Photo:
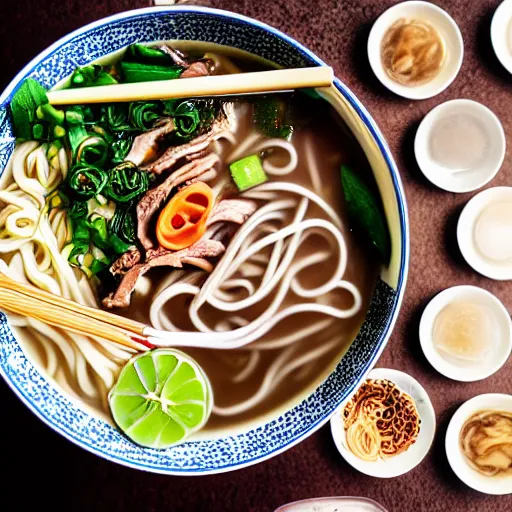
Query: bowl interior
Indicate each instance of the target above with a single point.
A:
(255, 443)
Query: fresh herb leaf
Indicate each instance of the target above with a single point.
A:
(27, 99)
(365, 212)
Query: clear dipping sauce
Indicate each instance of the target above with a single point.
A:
(464, 333)
(459, 142)
(493, 232)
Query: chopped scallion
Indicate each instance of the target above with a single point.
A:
(248, 172)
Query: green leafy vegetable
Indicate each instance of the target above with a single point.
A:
(248, 172)
(123, 224)
(120, 148)
(126, 182)
(147, 55)
(191, 117)
(365, 212)
(143, 115)
(91, 76)
(93, 151)
(33, 117)
(86, 181)
(138, 72)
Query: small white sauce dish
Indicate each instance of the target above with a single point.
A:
(501, 34)
(460, 145)
(456, 458)
(502, 339)
(497, 236)
(404, 462)
(447, 29)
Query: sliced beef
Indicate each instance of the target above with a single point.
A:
(145, 146)
(126, 261)
(153, 200)
(198, 68)
(179, 58)
(162, 258)
(232, 210)
(224, 122)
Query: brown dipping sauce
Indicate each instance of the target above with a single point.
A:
(412, 52)
(486, 441)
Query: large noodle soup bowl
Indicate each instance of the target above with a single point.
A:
(250, 443)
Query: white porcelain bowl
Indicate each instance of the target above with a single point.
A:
(501, 34)
(404, 462)
(483, 170)
(499, 270)
(456, 458)
(478, 370)
(446, 27)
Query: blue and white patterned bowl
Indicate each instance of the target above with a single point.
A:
(254, 445)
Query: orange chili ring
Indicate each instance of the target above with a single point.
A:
(183, 220)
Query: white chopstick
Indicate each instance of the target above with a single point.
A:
(219, 85)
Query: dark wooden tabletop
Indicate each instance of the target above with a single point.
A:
(41, 470)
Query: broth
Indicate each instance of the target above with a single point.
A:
(237, 375)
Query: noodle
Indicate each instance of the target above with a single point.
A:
(380, 421)
(81, 365)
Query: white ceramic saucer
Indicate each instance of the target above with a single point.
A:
(483, 170)
(456, 458)
(503, 334)
(501, 34)
(499, 270)
(446, 27)
(404, 462)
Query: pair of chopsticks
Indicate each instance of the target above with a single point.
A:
(26, 300)
(29, 301)
(259, 82)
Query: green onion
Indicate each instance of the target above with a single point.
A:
(91, 76)
(126, 182)
(117, 245)
(59, 132)
(99, 232)
(93, 151)
(123, 224)
(143, 115)
(39, 131)
(137, 72)
(115, 117)
(120, 148)
(87, 181)
(50, 113)
(248, 172)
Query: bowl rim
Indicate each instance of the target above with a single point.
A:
(385, 152)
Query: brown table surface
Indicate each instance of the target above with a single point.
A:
(40, 468)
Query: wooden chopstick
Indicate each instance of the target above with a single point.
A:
(97, 314)
(57, 316)
(218, 85)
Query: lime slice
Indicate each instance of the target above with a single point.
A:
(160, 398)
